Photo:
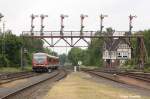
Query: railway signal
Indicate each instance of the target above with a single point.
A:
(1, 16)
(82, 16)
(3, 42)
(130, 23)
(42, 16)
(101, 22)
(62, 16)
(32, 26)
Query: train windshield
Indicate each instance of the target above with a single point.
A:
(39, 58)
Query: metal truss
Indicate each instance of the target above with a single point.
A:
(71, 35)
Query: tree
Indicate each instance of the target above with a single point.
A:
(47, 50)
(10, 45)
(135, 47)
(92, 56)
(74, 55)
(62, 58)
(146, 34)
(95, 50)
(33, 45)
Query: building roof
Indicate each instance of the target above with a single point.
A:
(112, 44)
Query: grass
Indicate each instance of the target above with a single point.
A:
(89, 67)
(14, 69)
(147, 69)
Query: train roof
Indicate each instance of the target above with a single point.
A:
(40, 53)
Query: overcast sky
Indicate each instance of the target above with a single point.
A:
(17, 14)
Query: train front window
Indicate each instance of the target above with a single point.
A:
(39, 58)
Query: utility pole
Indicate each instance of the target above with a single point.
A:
(101, 22)
(1, 16)
(101, 29)
(62, 16)
(4, 26)
(23, 52)
(82, 26)
(62, 23)
(32, 25)
(42, 16)
(3, 45)
(130, 31)
(130, 23)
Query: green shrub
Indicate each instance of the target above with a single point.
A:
(4, 61)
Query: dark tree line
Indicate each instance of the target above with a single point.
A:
(10, 48)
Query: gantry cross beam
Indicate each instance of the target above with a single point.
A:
(69, 36)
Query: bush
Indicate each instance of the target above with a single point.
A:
(4, 61)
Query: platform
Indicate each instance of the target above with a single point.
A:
(79, 85)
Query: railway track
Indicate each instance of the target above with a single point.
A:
(54, 76)
(101, 74)
(130, 78)
(139, 76)
(132, 74)
(6, 78)
(136, 75)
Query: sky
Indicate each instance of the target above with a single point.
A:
(17, 14)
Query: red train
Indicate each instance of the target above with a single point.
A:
(42, 62)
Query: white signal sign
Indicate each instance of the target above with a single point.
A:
(79, 62)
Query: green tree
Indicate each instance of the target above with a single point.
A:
(146, 34)
(75, 55)
(10, 45)
(63, 58)
(47, 50)
(33, 44)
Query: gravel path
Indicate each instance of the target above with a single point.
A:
(83, 86)
(130, 88)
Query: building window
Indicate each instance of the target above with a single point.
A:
(118, 54)
(125, 54)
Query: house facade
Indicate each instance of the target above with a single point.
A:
(116, 53)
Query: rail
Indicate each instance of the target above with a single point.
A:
(59, 74)
(8, 77)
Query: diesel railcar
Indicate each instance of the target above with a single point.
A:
(43, 62)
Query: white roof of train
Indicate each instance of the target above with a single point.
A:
(46, 54)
